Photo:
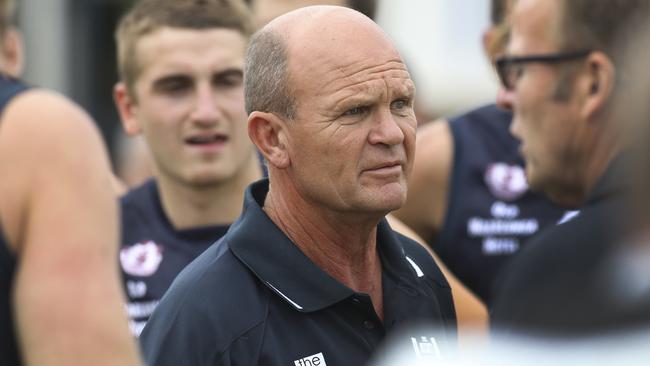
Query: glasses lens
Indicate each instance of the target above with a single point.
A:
(503, 70)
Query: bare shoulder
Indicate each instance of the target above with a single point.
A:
(42, 132)
(434, 149)
(47, 144)
(426, 203)
(43, 115)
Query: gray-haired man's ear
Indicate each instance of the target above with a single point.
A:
(598, 83)
(268, 133)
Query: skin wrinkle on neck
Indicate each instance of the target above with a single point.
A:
(352, 262)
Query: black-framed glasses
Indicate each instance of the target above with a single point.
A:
(509, 67)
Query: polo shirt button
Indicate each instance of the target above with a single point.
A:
(369, 324)
(356, 301)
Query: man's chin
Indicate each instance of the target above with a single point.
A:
(532, 178)
(391, 201)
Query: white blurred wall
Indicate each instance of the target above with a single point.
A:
(441, 41)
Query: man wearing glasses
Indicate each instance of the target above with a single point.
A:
(560, 76)
(468, 196)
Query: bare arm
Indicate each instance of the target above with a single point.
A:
(61, 218)
(426, 203)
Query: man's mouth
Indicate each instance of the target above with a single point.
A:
(394, 167)
(206, 139)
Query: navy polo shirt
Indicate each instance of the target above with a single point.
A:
(254, 298)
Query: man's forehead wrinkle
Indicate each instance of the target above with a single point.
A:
(394, 84)
(340, 78)
(362, 69)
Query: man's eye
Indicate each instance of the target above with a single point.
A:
(399, 104)
(229, 79)
(354, 111)
(518, 71)
(173, 85)
(514, 72)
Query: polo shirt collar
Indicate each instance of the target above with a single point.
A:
(278, 263)
(614, 181)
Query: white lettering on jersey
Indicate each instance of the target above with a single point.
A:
(136, 289)
(480, 227)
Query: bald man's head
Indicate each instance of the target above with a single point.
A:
(301, 45)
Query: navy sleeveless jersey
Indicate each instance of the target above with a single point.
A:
(153, 252)
(8, 348)
(490, 211)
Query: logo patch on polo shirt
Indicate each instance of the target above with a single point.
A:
(313, 360)
(141, 259)
(426, 347)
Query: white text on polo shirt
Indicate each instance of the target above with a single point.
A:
(426, 347)
(313, 360)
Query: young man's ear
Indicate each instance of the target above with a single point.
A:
(12, 57)
(127, 109)
(268, 133)
(598, 83)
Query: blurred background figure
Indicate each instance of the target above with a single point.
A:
(620, 318)
(468, 196)
(132, 159)
(60, 299)
(181, 89)
(576, 143)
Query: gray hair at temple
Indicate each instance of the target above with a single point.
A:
(266, 77)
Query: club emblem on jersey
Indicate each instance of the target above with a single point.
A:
(141, 259)
(506, 182)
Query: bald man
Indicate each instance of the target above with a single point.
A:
(311, 273)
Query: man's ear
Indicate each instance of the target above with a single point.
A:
(127, 109)
(12, 53)
(269, 133)
(598, 84)
(488, 40)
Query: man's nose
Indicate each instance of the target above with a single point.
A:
(505, 99)
(386, 130)
(206, 108)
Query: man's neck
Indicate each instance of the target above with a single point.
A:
(605, 147)
(209, 205)
(344, 247)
